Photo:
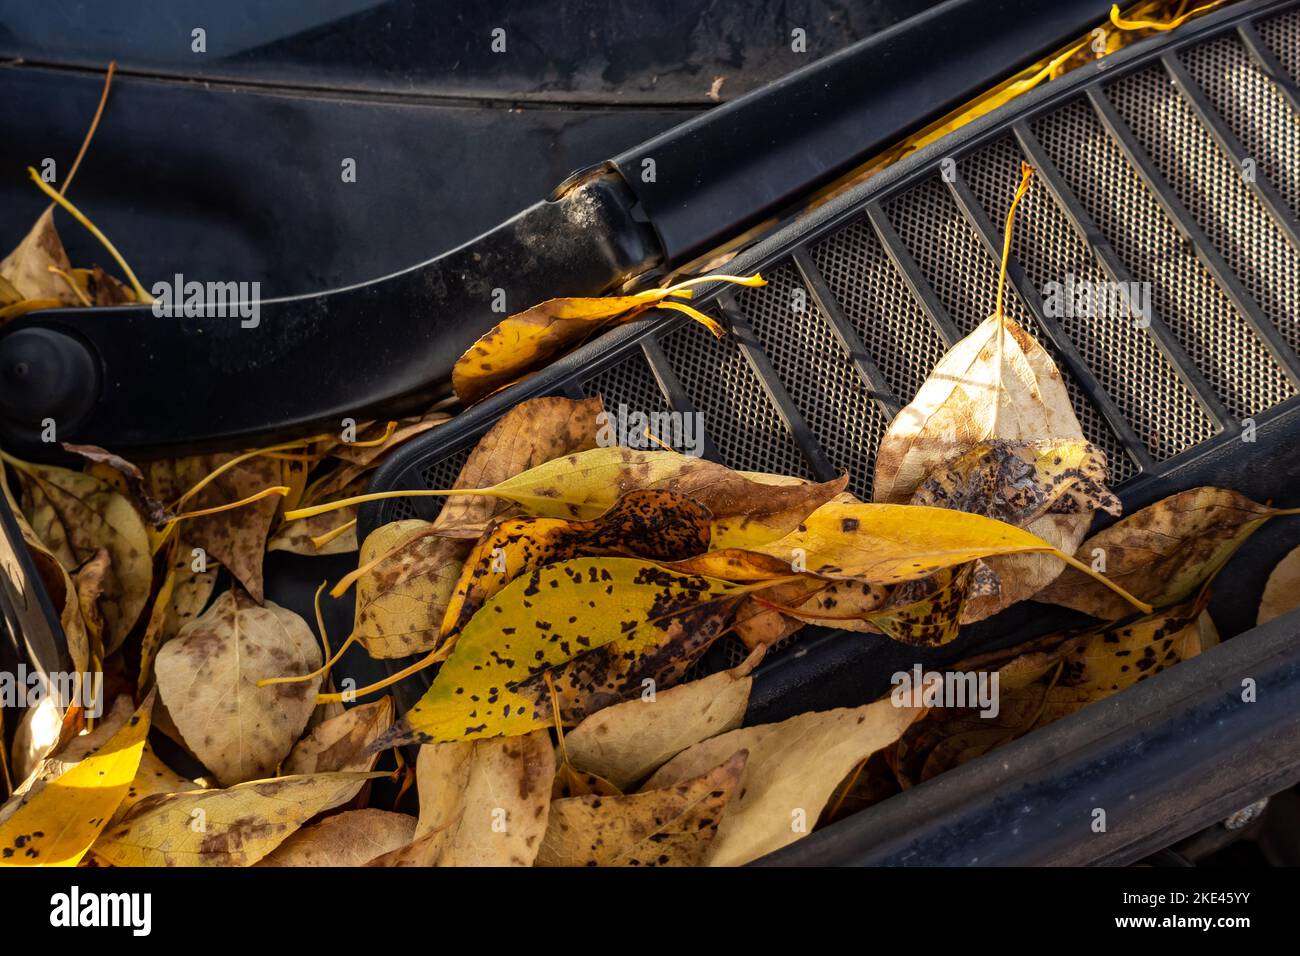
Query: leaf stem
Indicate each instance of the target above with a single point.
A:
(78, 215)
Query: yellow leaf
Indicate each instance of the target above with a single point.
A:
(657, 525)
(56, 825)
(533, 432)
(886, 544)
(234, 827)
(530, 339)
(586, 484)
(598, 626)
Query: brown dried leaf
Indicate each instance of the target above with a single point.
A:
(240, 825)
(236, 538)
(486, 799)
(341, 742)
(27, 267)
(75, 515)
(793, 768)
(1161, 554)
(1044, 685)
(672, 826)
(351, 838)
(1282, 592)
(208, 673)
(400, 602)
(626, 742)
(531, 433)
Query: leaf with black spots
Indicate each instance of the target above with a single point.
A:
(1043, 685)
(583, 485)
(529, 339)
(56, 824)
(597, 626)
(672, 826)
(657, 525)
(1163, 553)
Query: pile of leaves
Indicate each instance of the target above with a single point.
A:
(562, 600)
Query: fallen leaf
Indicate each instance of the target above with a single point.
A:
(624, 743)
(880, 544)
(58, 585)
(75, 515)
(584, 485)
(56, 824)
(972, 397)
(27, 268)
(208, 673)
(151, 778)
(793, 768)
(996, 383)
(1020, 481)
(1161, 554)
(235, 538)
(341, 743)
(233, 827)
(486, 799)
(1042, 686)
(532, 432)
(35, 736)
(529, 339)
(350, 838)
(374, 441)
(181, 597)
(1282, 592)
(401, 600)
(672, 826)
(599, 627)
(657, 525)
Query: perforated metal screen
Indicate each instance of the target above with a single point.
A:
(1180, 170)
